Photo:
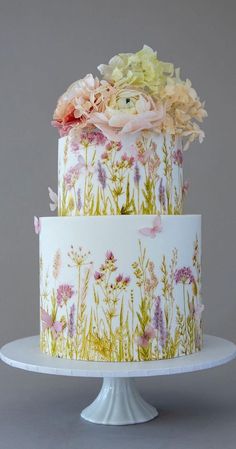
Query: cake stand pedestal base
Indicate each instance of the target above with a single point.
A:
(119, 403)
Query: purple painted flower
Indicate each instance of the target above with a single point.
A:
(79, 200)
(178, 157)
(137, 175)
(102, 177)
(184, 276)
(158, 322)
(162, 197)
(71, 324)
(64, 292)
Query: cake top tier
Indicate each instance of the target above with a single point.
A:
(137, 92)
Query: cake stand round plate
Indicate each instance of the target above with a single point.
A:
(118, 402)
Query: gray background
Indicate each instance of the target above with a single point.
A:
(45, 45)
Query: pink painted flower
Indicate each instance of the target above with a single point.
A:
(139, 154)
(105, 156)
(128, 159)
(126, 280)
(72, 175)
(98, 276)
(117, 146)
(119, 278)
(178, 157)
(49, 323)
(93, 136)
(184, 276)
(75, 106)
(110, 256)
(149, 334)
(64, 293)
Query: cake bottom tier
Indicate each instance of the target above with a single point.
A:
(120, 288)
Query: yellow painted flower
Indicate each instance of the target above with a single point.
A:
(142, 69)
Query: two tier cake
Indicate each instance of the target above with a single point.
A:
(120, 268)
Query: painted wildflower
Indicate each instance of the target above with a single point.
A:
(158, 321)
(71, 325)
(184, 276)
(64, 293)
(178, 157)
(102, 177)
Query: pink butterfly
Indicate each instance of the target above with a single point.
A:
(37, 225)
(152, 232)
(48, 323)
(148, 334)
(185, 187)
(54, 199)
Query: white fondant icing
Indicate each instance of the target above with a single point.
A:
(110, 293)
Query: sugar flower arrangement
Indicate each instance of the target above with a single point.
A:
(137, 92)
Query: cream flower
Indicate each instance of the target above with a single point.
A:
(141, 70)
(76, 104)
(128, 111)
(183, 109)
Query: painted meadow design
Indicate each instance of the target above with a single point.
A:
(141, 174)
(108, 315)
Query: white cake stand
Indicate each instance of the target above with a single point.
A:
(118, 402)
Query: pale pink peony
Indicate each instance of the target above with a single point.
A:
(128, 111)
(81, 99)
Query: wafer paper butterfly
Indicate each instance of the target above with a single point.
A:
(156, 228)
(149, 333)
(48, 323)
(54, 199)
(37, 225)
